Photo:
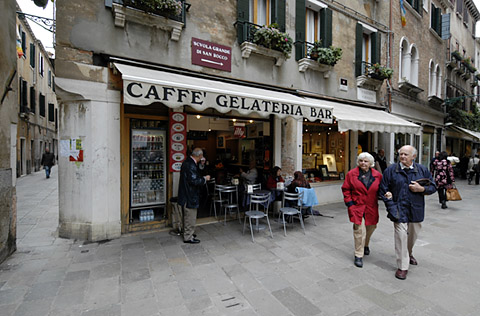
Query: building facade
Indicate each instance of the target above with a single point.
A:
(8, 128)
(38, 110)
(137, 90)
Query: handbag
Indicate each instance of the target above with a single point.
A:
(453, 195)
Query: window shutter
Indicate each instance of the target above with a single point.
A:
(433, 16)
(278, 13)
(51, 112)
(23, 98)
(326, 27)
(358, 49)
(438, 20)
(32, 100)
(300, 12)
(445, 26)
(242, 16)
(376, 47)
(32, 55)
(24, 44)
(41, 99)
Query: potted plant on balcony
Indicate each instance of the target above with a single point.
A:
(379, 72)
(468, 64)
(160, 7)
(456, 55)
(313, 50)
(329, 55)
(271, 37)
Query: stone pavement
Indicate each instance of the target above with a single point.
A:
(227, 274)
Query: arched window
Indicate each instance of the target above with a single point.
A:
(404, 62)
(438, 90)
(414, 60)
(431, 80)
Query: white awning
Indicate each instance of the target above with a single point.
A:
(143, 86)
(469, 133)
(356, 118)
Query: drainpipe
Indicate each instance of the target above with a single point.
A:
(389, 57)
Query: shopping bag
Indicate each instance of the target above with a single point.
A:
(453, 195)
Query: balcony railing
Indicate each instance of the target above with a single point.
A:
(246, 31)
(302, 49)
(367, 70)
(140, 5)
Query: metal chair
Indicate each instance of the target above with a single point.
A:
(293, 211)
(230, 194)
(217, 199)
(256, 213)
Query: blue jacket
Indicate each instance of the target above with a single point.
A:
(190, 182)
(405, 205)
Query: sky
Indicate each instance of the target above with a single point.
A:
(46, 37)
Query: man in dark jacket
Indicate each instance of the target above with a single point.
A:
(48, 160)
(188, 194)
(405, 202)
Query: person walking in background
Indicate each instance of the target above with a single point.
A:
(188, 193)
(474, 169)
(381, 161)
(443, 174)
(404, 199)
(48, 160)
(433, 159)
(360, 194)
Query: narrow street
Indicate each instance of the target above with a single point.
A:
(227, 274)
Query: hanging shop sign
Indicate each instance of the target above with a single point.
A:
(178, 140)
(208, 54)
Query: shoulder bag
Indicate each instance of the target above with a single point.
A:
(452, 194)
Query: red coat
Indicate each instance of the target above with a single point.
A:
(360, 200)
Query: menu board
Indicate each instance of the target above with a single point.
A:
(178, 140)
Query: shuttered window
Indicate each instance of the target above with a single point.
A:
(32, 55)
(260, 12)
(51, 112)
(367, 48)
(41, 101)
(23, 100)
(436, 19)
(33, 98)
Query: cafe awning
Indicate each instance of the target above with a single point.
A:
(468, 134)
(144, 86)
(357, 118)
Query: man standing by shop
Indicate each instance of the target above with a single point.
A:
(48, 160)
(189, 194)
(405, 203)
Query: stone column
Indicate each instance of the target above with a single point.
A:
(290, 146)
(89, 191)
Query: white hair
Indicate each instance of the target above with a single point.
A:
(367, 156)
(197, 152)
(414, 150)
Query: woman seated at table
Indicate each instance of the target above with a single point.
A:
(274, 178)
(299, 181)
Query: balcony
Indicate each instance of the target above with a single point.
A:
(138, 12)
(373, 75)
(313, 56)
(265, 41)
(409, 88)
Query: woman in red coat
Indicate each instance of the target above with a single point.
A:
(360, 195)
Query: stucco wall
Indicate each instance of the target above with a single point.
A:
(8, 121)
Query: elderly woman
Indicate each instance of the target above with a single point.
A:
(360, 195)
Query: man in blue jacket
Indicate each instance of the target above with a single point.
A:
(188, 194)
(405, 202)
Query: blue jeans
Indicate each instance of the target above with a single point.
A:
(47, 171)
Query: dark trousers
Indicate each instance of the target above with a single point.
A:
(442, 194)
(47, 171)
(470, 177)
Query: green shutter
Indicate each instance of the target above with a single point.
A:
(326, 27)
(358, 49)
(300, 11)
(242, 16)
(438, 25)
(376, 47)
(278, 13)
(32, 55)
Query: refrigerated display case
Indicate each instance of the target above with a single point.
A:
(148, 171)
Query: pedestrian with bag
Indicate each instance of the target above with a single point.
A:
(48, 160)
(444, 177)
(404, 199)
(360, 194)
(474, 169)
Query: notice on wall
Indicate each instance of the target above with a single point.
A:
(71, 148)
(178, 140)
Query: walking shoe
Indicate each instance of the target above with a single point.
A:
(366, 251)
(192, 241)
(444, 205)
(413, 261)
(358, 262)
(401, 274)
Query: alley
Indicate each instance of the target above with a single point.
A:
(227, 274)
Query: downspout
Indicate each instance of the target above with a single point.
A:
(389, 54)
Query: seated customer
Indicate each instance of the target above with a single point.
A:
(299, 181)
(250, 177)
(274, 178)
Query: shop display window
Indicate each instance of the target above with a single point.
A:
(323, 152)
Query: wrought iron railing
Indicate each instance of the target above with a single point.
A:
(139, 5)
(302, 49)
(246, 30)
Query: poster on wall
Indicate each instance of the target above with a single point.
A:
(178, 140)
